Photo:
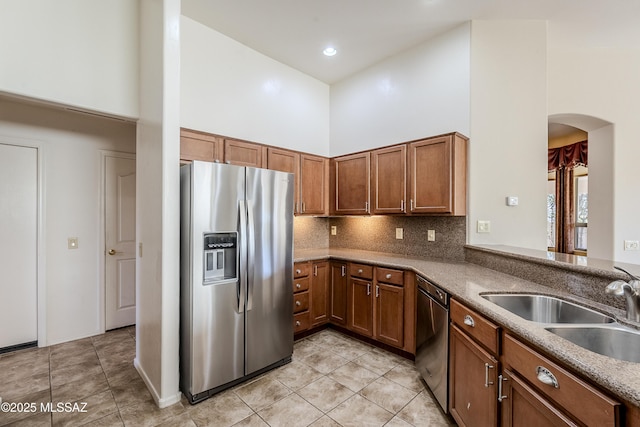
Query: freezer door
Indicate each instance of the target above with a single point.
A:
(217, 317)
(269, 309)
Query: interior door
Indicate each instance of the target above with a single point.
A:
(18, 245)
(120, 242)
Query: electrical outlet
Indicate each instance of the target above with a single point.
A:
(431, 235)
(632, 245)
(399, 233)
(484, 226)
(334, 230)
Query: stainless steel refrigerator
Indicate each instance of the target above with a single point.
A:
(236, 275)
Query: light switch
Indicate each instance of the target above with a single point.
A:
(512, 200)
(399, 233)
(334, 230)
(72, 243)
(431, 235)
(484, 226)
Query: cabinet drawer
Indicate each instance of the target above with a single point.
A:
(363, 271)
(389, 275)
(301, 269)
(300, 322)
(301, 302)
(476, 326)
(575, 396)
(301, 284)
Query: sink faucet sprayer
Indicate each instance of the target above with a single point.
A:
(631, 292)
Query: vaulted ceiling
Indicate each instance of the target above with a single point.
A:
(365, 32)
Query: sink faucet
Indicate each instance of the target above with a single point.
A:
(630, 290)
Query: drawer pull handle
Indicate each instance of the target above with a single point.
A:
(359, 271)
(468, 320)
(298, 285)
(545, 376)
(298, 303)
(388, 276)
(297, 323)
(501, 396)
(487, 383)
(298, 271)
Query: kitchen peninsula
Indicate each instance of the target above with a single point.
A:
(467, 281)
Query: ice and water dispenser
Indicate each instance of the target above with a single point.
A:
(220, 254)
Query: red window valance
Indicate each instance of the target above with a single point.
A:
(568, 156)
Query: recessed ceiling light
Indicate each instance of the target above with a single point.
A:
(330, 51)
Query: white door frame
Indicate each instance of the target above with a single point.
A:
(41, 287)
(102, 268)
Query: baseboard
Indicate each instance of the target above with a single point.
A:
(161, 402)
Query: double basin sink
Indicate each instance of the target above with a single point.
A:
(582, 326)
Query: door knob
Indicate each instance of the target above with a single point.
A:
(112, 251)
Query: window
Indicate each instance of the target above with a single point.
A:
(581, 212)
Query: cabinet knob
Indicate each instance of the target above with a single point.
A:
(298, 323)
(298, 271)
(298, 285)
(298, 303)
(359, 271)
(388, 276)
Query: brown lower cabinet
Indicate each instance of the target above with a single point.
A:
(472, 382)
(370, 301)
(319, 308)
(338, 293)
(494, 376)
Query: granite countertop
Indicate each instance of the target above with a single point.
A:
(465, 282)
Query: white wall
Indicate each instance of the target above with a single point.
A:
(158, 201)
(229, 89)
(72, 186)
(604, 83)
(82, 53)
(421, 92)
(508, 148)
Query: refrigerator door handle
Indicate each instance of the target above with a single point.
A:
(242, 283)
(251, 245)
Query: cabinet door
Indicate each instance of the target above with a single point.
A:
(350, 179)
(243, 153)
(338, 306)
(314, 172)
(472, 382)
(389, 180)
(320, 293)
(389, 314)
(360, 307)
(522, 404)
(200, 146)
(430, 175)
(286, 161)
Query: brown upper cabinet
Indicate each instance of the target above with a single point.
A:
(389, 180)
(286, 161)
(350, 178)
(314, 183)
(243, 153)
(438, 175)
(311, 174)
(428, 176)
(200, 146)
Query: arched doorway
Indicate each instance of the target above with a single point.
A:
(600, 184)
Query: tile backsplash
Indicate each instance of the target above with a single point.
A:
(378, 233)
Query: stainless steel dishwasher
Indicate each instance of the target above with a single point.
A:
(432, 339)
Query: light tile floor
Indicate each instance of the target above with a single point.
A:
(333, 380)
